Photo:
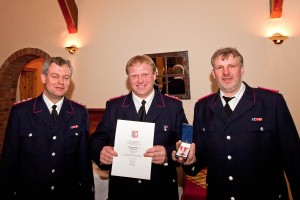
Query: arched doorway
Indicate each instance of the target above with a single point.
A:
(9, 76)
(30, 84)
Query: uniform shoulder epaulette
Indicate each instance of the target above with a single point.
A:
(21, 101)
(271, 90)
(173, 97)
(78, 103)
(205, 96)
(116, 97)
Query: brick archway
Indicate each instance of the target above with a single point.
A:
(9, 74)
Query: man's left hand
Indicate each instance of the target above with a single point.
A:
(158, 154)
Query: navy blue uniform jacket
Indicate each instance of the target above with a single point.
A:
(168, 115)
(246, 155)
(46, 160)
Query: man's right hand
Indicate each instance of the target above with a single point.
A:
(191, 158)
(106, 155)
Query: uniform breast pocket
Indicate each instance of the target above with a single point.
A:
(164, 134)
(72, 139)
(264, 133)
(206, 135)
(265, 127)
(32, 144)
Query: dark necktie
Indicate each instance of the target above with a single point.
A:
(142, 111)
(227, 108)
(54, 113)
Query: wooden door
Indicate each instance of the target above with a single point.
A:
(27, 83)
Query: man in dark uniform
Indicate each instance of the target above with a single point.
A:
(168, 115)
(248, 149)
(45, 158)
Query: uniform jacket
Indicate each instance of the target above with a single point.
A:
(247, 155)
(46, 160)
(168, 115)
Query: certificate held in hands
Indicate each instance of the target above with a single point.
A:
(186, 141)
(131, 142)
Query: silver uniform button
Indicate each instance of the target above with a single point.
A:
(228, 137)
(166, 164)
(232, 198)
(173, 180)
(229, 157)
(53, 154)
(52, 187)
(30, 135)
(53, 171)
(262, 129)
(54, 137)
(203, 129)
(76, 134)
(139, 181)
(230, 178)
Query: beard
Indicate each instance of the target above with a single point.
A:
(230, 88)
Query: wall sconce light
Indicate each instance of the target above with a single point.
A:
(72, 49)
(277, 38)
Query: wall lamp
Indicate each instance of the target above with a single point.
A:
(277, 38)
(72, 49)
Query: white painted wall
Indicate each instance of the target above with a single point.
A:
(110, 32)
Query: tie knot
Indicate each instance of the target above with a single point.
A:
(54, 107)
(143, 102)
(227, 99)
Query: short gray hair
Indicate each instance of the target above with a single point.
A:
(57, 60)
(225, 53)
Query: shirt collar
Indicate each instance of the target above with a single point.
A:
(50, 104)
(241, 91)
(233, 103)
(138, 101)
